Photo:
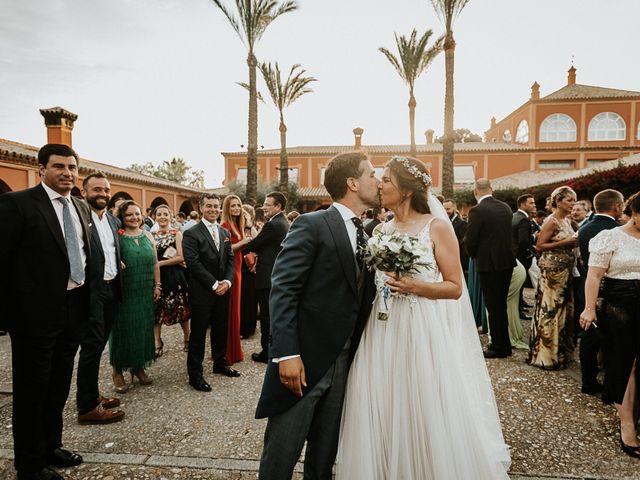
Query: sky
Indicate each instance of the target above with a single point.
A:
(155, 79)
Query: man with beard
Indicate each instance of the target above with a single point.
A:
(460, 229)
(105, 290)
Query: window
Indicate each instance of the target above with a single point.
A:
(322, 170)
(293, 175)
(638, 134)
(463, 174)
(607, 126)
(593, 163)
(556, 164)
(558, 127)
(506, 136)
(378, 171)
(522, 134)
(241, 175)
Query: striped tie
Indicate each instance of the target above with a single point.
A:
(73, 247)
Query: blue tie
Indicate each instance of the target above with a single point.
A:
(73, 247)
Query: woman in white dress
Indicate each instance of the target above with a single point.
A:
(419, 402)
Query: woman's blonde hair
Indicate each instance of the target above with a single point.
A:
(236, 223)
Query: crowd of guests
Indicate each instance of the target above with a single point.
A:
(583, 260)
(121, 276)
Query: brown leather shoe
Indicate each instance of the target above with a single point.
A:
(109, 402)
(99, 416)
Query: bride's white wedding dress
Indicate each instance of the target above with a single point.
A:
(419, 403)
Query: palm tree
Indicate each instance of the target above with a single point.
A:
(414, 58)
(448, 10)
(283, 96)
(250, 22)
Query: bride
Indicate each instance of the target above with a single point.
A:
(419, 402)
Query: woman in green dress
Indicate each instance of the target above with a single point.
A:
(132, 346)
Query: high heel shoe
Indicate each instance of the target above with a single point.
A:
(119, 384)
(186, 346)
(629, 449)
(160, 349)
(142, 377)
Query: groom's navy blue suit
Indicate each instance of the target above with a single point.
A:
(319, 305)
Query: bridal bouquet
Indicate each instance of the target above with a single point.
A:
(393, 252)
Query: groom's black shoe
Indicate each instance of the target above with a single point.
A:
(62, 458)
(494, 354)
(226, 371)
(200, 384)
(260, 357)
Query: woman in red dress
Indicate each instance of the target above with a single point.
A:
(233, 220)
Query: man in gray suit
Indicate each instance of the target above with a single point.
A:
(320, 299)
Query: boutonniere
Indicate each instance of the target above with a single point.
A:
(90, 225)
(226, 239)
(120, 231)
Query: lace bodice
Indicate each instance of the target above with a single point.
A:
(429, 272)
(616, 251)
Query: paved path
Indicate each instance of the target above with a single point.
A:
(172, 432)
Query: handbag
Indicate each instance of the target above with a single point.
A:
(250, 259)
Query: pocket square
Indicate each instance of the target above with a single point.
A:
(226, 239)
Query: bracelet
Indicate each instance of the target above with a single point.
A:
(158, 284)
(588, 309)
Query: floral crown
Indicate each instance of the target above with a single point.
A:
(413, 170)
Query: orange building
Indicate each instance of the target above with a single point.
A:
(574, 127)
(19, 169)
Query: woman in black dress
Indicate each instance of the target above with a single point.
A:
(173, 305)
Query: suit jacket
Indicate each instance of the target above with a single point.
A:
(205, 263)
(522, 236)
(460, 228)
(97, 255)
(267, 246)
(589, 230)
(488, 237)
(315, 303)
(34, 261)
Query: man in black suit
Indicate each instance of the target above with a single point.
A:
(609, 205)
(267, 246)
(488, 240)
(210, 266)
(44, 253)
(522, 231)
(320, 300)
(460, 228)
(105, 292)
(379, 216)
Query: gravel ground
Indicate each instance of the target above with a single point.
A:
(173, 432)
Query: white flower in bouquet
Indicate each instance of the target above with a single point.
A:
(394, 252)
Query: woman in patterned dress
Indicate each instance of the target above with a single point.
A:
(172, 307)
(552, 342)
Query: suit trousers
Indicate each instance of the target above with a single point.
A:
(316, 419)
(265, 318)
(495, 288)
(102, 313)
(204, 315)
(42, 371)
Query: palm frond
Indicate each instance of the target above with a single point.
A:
(248, 89)
(295, 86)
(448, 10)
(393, 60)
(232, 20)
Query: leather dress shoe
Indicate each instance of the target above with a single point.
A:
(109, 402)
(45, 474)
(494, 354)
(200, 384)
(260, 357)
(227, 371)
(593, 389)
(100, 415)
(62, 458)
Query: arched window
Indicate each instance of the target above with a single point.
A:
(607, 126)
(506, 136)
(558, 127)
(522, 133)
(638, 134)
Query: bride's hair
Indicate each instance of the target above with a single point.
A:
(412, 176)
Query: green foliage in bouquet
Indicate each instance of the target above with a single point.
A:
(394, 252)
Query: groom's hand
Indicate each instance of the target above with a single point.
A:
(292, 375)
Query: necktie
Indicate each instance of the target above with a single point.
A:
(360, 241)
(73, 246)
(214, 234)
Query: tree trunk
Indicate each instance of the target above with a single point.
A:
(284, 160)
(252, 144)
(447, 146)
(412, 123)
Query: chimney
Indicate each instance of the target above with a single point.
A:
(493, 122)
(357, 132)
(429, 135)
(535, 91)
(59, 123)
(571, 78)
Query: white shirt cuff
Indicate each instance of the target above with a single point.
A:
(289, 357)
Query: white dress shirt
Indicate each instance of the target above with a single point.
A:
(214, 229)
(108, 245)
(57, 207)
(484, 196)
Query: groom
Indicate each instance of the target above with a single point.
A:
(320, 299)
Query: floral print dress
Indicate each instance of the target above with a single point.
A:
(173, 305)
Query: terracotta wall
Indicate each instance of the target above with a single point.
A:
(16, 178)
